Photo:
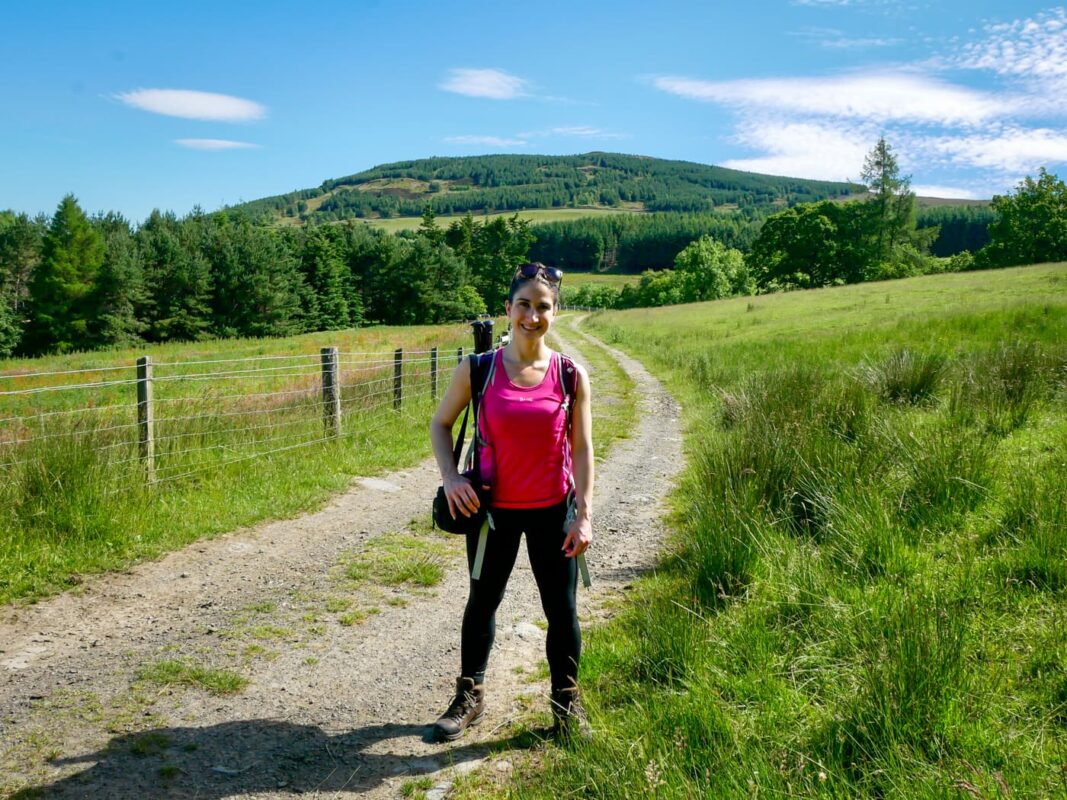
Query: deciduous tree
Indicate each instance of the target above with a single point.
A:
(1031, 224)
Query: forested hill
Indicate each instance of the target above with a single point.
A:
(516, 182)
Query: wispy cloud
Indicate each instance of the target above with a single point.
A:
(1012, 151)
(803, 149)
(523, 138)
(215, 144)
(494, 84)
(950, 192)
(191, 104)
(579, 131)
(835, 39)
(839, 3)
(876, 96)
(491, 141)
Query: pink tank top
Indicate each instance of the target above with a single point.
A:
(526, 459)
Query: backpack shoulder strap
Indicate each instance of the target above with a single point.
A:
(482, 367)
(568, 373)
(568, 379)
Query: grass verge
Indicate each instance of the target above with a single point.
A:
(864, 595)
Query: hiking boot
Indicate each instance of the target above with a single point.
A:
(568, 716)
(466, 709)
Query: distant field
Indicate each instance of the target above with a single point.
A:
(535, 216)
(573, 280)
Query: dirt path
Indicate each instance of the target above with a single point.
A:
(332, 708)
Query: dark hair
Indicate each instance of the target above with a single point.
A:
(521, 280)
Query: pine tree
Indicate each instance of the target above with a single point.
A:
(177, 277)
(119, 294)
(893, 204)
(20, 252)
(324, 277)
(61, 289)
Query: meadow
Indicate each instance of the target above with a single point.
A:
(866, 592)
(239, 438)
(572, 280)
(534, 216)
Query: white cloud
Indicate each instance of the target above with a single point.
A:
(581, 131)
(491, 141)
(191, 104)
(837, 3)
(835, 39)
(844, 43)
(1013, 151)
(494, 84)
(948, 192)
(874, 96)
(214, 144)
(1034, 47)
(804, 149)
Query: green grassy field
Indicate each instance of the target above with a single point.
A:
(866, 593)
(239, 438)
(535, 216)
(237, 441)
(572, 280)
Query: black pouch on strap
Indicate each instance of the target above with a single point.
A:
(442, 518)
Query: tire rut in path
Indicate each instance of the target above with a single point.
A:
(345, 712)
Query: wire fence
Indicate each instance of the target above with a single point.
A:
(182, 419)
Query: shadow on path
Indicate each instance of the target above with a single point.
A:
(254, 756)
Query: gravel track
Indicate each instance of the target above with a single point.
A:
(332, 709)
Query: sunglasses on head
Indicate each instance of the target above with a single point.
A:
(550, 274)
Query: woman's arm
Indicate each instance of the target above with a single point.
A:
(580, 534)
(460, 493)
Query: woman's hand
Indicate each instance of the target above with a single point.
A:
(579, 537)
(461, 496)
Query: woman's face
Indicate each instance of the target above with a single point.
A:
(531, 312)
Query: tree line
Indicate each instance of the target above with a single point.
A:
(74, 282)
(828, 243)
(514, 182)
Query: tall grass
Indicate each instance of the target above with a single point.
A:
(865, 595)
(73, 495)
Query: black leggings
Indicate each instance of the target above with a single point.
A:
(557, 581)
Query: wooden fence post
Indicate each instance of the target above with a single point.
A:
(146, 418)
(433, 373)
(331, 391)
(459, 356)
(398, 377)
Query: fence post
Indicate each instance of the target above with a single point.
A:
(331, 391)
(433, 373)
(398, 377)
(146, 418)
(459, 356)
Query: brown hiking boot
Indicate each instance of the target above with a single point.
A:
(466, 709)
(568, 716)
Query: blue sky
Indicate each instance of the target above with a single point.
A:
(134, 106)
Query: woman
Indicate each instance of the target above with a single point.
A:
(528, 460)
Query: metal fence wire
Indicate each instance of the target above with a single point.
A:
(293, 402)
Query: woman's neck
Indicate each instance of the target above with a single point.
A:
(527, 352)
